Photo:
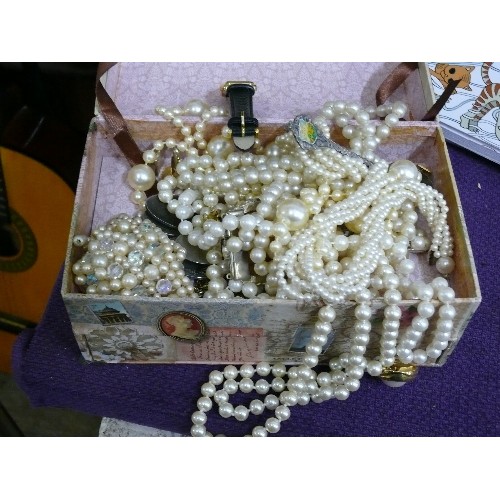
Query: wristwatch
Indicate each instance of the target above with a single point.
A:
(243, 125)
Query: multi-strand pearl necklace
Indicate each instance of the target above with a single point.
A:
(326, 226)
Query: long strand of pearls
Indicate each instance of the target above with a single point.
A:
(301, 384)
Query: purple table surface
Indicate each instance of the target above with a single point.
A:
(459, 399)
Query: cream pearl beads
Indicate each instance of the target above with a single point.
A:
(323, 228)
(131, 256)
(292, 186)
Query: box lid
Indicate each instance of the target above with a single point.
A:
(283, 89)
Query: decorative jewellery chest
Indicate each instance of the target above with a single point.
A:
(413, 320)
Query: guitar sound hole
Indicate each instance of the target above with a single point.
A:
(20, 251)
(9, 243)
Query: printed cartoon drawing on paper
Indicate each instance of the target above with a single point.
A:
(475, 104)
(446, 72)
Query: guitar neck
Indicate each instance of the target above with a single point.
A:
(8, 246)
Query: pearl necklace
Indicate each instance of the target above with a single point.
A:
(297, 245)
(300, 384)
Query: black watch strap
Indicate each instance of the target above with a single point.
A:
(243, 125)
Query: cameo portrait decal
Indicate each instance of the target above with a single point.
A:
(183, 326)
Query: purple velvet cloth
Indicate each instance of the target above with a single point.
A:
(459, 399)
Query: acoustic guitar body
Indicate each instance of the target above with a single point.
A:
(40, 206)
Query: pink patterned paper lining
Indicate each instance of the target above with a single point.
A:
(284, 90)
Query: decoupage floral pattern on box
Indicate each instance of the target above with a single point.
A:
(122, 344)
(146, 311)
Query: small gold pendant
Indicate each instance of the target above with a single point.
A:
(398, 374)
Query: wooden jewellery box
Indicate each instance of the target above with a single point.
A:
(115, 328)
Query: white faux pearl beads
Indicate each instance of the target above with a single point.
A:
(293, 186)
(316, 225)
(445, 265)
(219, 147)
(132, 256)
(141, 177)
(293, 213)
(306, 262)
(405, 169)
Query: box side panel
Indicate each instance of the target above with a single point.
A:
(465, 281)
(465, 311)
(124, 329)
(85, 197)
(127, 330)
(426, 84)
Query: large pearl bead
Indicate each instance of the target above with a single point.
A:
(195, 107)
(445, 265)
(141, 177)
(293, 213)
(405, 169)
(219, 147)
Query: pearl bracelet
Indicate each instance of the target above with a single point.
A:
(324, 226)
